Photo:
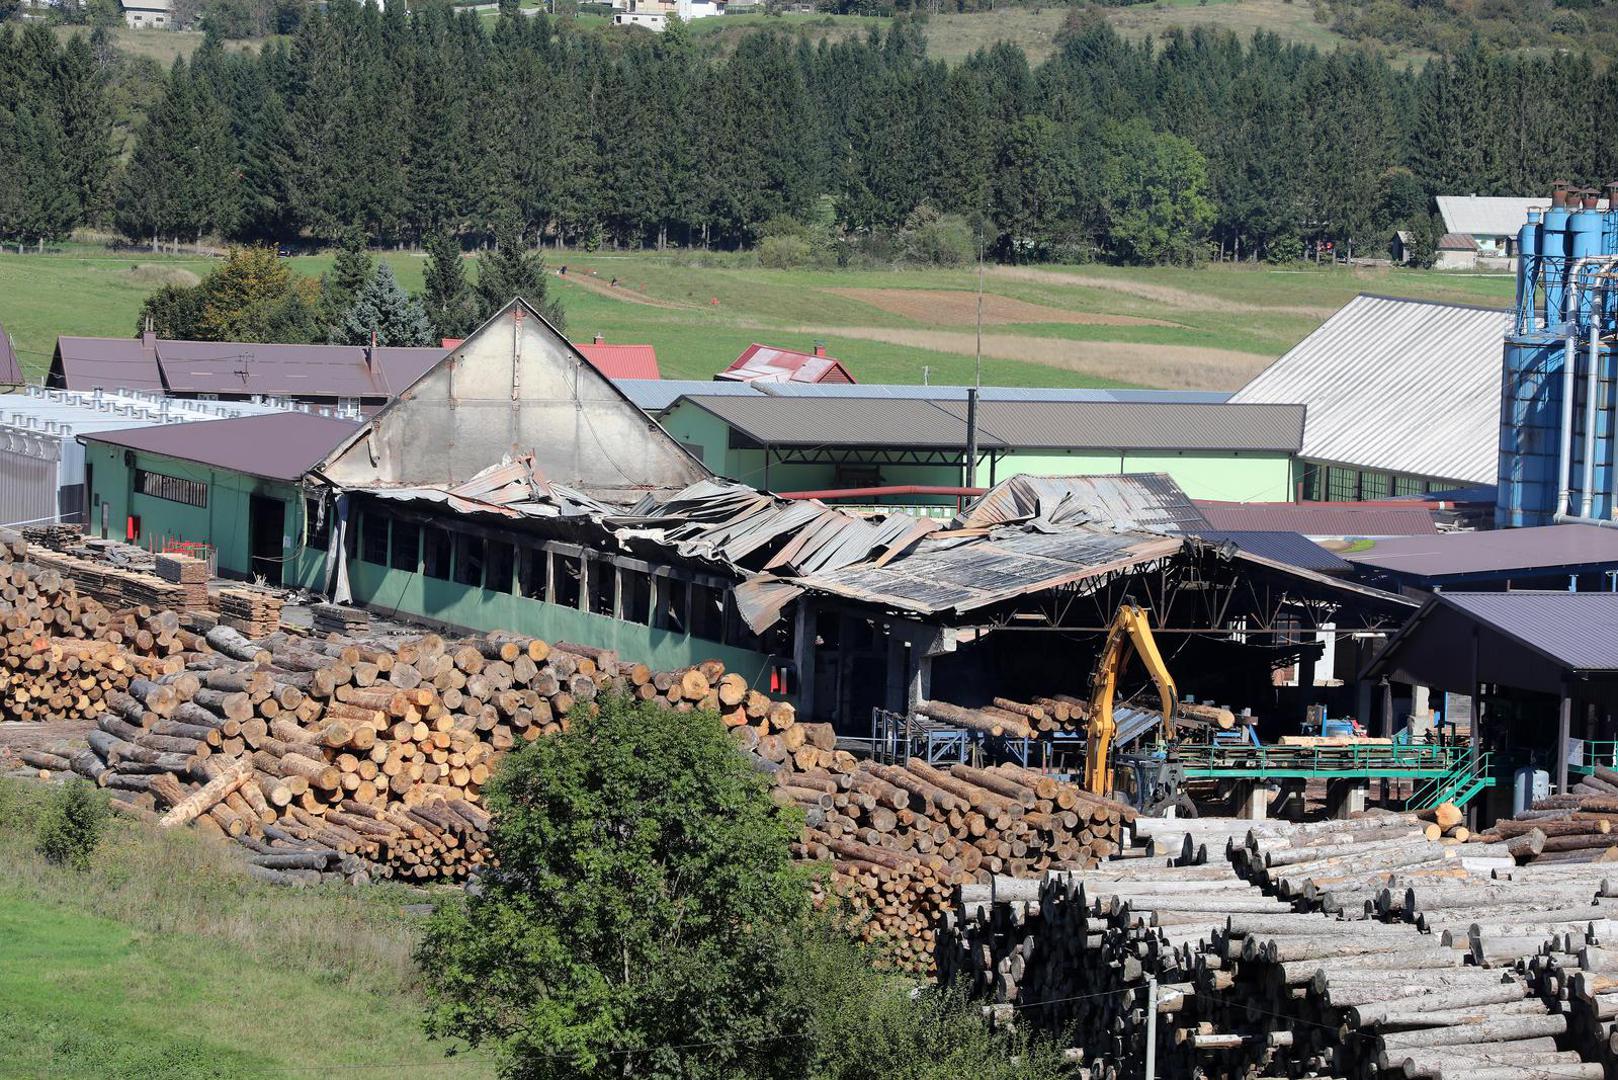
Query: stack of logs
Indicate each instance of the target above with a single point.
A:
(1007, 718)
(1302, 951)
(900, 837)
(1576, 827)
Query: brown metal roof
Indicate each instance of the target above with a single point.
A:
(1330, 519)
(277, 446)
(889, 422)
(1503, 551)
(10, 370)
(237, 367)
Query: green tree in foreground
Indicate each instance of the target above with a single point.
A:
(383, 308)
(452, 308)
(71, 827)
(513, 269)
(641, 918)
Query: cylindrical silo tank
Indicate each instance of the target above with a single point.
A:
(1553, 257)
(1584, 233)
(1530, 431)
(1528, 273)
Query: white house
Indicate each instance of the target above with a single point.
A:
(654, 14)
(148, 14)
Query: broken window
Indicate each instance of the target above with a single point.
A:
(436, 548)
(316, 524)
(374, 537)
(737, 632)
(634, 596)
(603, 587)
(531, 573)
(468, 559)
(672, 597)
(406, 547)
(497, 566)
(565, 584)
(707, 613)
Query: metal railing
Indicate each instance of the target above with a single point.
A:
(1382, 759)
(1602, 752)
(1472, 772)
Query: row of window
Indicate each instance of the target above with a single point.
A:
(1334, 483)
(172, 488)
(552, 573)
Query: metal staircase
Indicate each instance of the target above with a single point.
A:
(1471, 773)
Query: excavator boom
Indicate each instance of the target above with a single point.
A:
(1130, 632)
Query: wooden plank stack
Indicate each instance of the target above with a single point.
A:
(253, 612)
(337, 619)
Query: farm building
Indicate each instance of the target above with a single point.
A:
(628, 362)
(859, 441)
(351, 377)
(1402, 398)
(654, 15)
(766, 364)
(1455, 251)
(148, 14)
(1491, 222)
(42, 465)
(515, 487)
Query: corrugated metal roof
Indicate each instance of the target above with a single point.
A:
(1148, 501)
(1326, 519)
(1122, 425)
(1502, 551)
(1106, 425)
(1456, 241)
(765, 363)
(235, 367)
(1404, 386)
(76, 412)
(1487, 215)
(1577, 630)
(896, 422)
(629, 362)
(278, 446)
(1283, 547)
(658, 396)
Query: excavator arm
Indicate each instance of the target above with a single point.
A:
(1130, 632)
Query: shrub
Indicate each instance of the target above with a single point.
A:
(784, 252)
(933, 239)
(1283, 250)
(72, 825)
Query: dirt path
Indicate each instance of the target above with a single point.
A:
(958, 307)
(621, 292)
(1170, 367)
(1161, 294)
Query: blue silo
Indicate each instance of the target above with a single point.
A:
(1566, 314)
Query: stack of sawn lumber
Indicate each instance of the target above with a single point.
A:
(1249, 985)
(1576, 827)
(899, 838)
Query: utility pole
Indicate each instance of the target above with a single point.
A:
(970, 479)
(977, 378)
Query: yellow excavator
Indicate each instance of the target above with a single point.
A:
(1130, 632)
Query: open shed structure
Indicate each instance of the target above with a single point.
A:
(1540, 668)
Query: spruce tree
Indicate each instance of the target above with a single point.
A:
(513, 270)
(350, 273)
(451, 306)
(385, 309)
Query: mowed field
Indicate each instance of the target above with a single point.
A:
(1209, 328)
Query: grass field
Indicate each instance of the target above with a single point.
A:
(165, 962)
(1209, 328)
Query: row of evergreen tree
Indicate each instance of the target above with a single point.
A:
(406, 125)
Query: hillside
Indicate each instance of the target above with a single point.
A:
(1211, 328)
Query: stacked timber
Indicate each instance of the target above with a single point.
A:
(1249, 984)
(339, 619)
(254, 612)
(899, 838)
(1007, 717)
(1576, 827)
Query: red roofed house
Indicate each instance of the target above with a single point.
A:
(762, 363)
(620, 361)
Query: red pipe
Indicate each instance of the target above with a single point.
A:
(877, 492)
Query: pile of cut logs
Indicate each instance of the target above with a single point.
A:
(1007, 718)
(1367, 970)
(1573, 828)
(900, 837)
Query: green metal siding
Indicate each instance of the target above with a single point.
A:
(222, 523)
(403, 592)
